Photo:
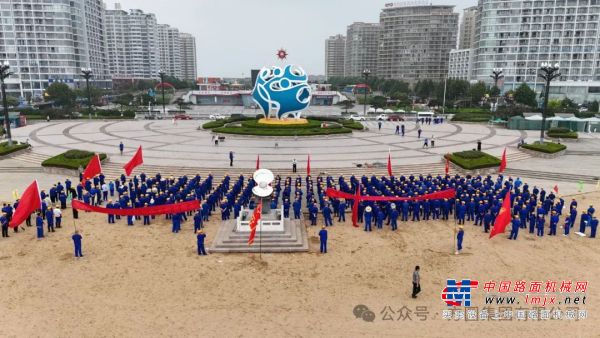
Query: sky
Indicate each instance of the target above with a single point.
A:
(234, 36)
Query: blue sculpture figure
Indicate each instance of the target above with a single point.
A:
(282, 93)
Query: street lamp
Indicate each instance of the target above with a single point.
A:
(496, 75)
(162, 74)
(366, 74)
(87, 75)
(4, 73)
(548, 72)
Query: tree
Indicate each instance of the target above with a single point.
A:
(124, 99)
(61, 94)
(346, 104)
(477, 92)
(525, 95)
(594, 106)
(378, 101)
(494, 91)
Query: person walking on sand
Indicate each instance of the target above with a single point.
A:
(416, 280)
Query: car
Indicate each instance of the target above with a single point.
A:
(382, 117)
(216, 117)
(357, 118)
(396, 118)
(182, 117)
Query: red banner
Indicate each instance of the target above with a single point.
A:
(333, 193)
(146, 211)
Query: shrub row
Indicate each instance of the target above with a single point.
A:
(5, 149)
(473, 159)
(72, 159)
(546, 147)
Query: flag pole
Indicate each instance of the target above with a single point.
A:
(260, 232)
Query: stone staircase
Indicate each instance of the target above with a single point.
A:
(292, 239)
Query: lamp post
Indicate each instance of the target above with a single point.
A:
(162, 74)
(87, 75)
(548, 72)
(366, 74)
(4, 73)
(496, 75)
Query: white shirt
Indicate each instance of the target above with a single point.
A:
(57, 212)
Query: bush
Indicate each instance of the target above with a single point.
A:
(256, 124)
(562, 133)
(72, 159)
(282, 131)
(546, 147)
(473, 159)
(220, 123)
(5, 149)
(472, 117)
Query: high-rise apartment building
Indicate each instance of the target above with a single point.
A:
(132, 44)
(169, 45)
(189, 71)
(362, 41)
(466, 34)
(416, 41)
(335, 54)
(47, 41)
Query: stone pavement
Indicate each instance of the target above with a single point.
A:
(181, 144)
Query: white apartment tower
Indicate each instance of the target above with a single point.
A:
(189, 71)
(362, 40)
(47, 41)
(335, 54)
(169, 45)
(132, 44)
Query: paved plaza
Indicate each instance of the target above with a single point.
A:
(182, 144)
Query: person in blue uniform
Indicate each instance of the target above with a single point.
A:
(593, 226)
(121, 147)
(327, 215)
(231, 158)
(567, 226)
(4, 224)
(297, 205)
(342, 211)
(405, 209)
(201, 236)
(286, 208)
(540, 225)
(368, 218)
(402, 129)
(176, 223)
(461, 211)
(77, 243)
(488, 219)
(394, 217)
(460, 235)
(553, 223)
(516, 224)
(583, 221)
(197, 221)
(323, 239)
(380, 218)
(39, 224)
(50, 219)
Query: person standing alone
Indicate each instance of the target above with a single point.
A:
(416, 280)
(121, 147)
(77, 242)
(323, 239)
(294, 165)
(231, 158)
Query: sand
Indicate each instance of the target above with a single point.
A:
(144, 281)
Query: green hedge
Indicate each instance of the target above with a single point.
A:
(472, 117)
(5, 149)
(220, 123)
(547, 147)
(473, 159)
(71, 159)
(256, 124)
(562, 133)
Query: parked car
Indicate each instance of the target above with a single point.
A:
(216, 117)
(182, 117)
(382, 117)
(396, 118)
(357, 118)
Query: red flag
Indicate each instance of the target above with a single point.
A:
(556, 188)
(142, 211)
(447, 166)
(389, 166)
(355, 207)
(254, 222)
(308, 166)
(257, 162)
(29, 202)
(92, 169)
(503, 162)
(136, 160)
(504, 217)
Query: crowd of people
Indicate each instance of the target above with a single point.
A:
(478, 200)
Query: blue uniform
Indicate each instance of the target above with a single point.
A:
(201, 250)
(77, 242)
(342, 212)
(39, 223)
(327, 216)
(323, 240)
(459, 239)
(514, 232)
(368, 220)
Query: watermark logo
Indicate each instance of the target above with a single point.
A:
(363, 311)
(458, 293)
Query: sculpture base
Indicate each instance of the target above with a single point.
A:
(283, 122)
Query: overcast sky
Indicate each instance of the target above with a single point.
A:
(234, 36)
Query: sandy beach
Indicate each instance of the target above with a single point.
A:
(146, 281)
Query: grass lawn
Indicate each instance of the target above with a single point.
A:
(473, 159)
(5, 149)
(472, 117)
(71, 159)
(546, 147)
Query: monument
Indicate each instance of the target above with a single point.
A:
(271, 219)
